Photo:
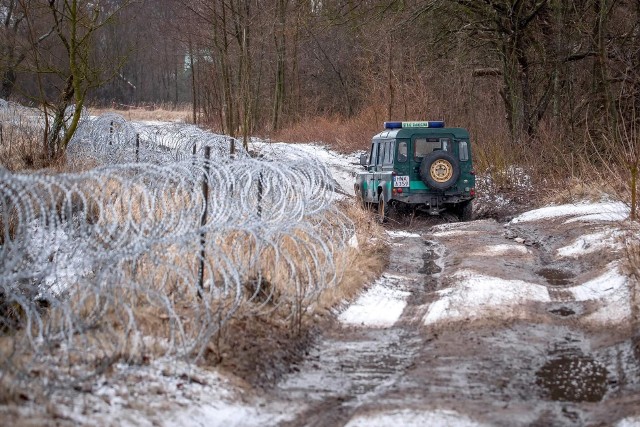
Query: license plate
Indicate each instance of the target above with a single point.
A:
(401, 181)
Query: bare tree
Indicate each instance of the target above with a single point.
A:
(14, 45)
(75, 24)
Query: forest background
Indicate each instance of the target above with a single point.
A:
(546, 84)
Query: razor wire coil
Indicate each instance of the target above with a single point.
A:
(98, 262)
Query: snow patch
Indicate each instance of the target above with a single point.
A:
(229, 415)
(504, 249)
(612, 294)
(55, 245)
(475, 295)
(410, 418)
(589, 243)
(401, 234)
(629, 422)
(353, 242)
(343, 168)
(605, 211)
(454, 233)
(379, 306)
(610, 282)
(601, 217)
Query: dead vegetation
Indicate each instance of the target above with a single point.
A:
(341, 134)
(261, 347)
(150, 112)
(145, 303)
(20, 142)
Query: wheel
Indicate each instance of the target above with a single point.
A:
(465, 211)
(439, 170)
(383, 210)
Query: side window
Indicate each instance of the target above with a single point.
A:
(464, 151)
(444, 143)
(381, 153)
(374, 153)
(402, 151)
(388, 158)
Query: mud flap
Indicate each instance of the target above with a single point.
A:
(434, 206)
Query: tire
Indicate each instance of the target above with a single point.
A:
(439, 170)
(465, 211)
(383, 210)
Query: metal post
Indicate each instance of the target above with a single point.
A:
(260, 195)
(203, 219)
(137, 147)
(110, 132)
(232, 146)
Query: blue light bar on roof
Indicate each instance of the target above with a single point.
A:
(428, 124)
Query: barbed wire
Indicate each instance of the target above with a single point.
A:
(136, 259)
(110, 139)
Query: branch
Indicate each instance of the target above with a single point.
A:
(579, 56)
(536, 10)
(58, 23)
(7, 20)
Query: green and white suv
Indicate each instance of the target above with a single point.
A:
(423, 165)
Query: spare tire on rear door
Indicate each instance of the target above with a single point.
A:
(439, 170)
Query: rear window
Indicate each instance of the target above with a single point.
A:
(464, 151)
(424, 146)
(402, 151)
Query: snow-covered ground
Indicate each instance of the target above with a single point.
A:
(475, 295)
(413, 418)
(343, 167)
(380, 305)
(602, 211)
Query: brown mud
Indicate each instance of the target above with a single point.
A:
(542, 364)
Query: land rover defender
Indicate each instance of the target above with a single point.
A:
(422, 165)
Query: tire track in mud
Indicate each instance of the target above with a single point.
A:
(534, 365)
(539, 365)
(353, 365)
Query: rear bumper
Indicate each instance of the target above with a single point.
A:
(432, 199)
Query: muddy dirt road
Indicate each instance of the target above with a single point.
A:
(481, 323)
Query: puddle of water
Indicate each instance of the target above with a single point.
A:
(430, 266)
(563, 311)
(573, 378)
(556, 277)
(429, 258)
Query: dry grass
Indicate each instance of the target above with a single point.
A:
(260, 347)
(160, 113)
(117, 319)
(21, 146)
(341, 134)
(362, 264)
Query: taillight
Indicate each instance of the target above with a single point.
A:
(472, 192)
(400, 190)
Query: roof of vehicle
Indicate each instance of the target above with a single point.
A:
(458, 133)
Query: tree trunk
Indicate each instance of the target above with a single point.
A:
(602, 88)
(280, 46)
(194, 95)
(9, 78)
